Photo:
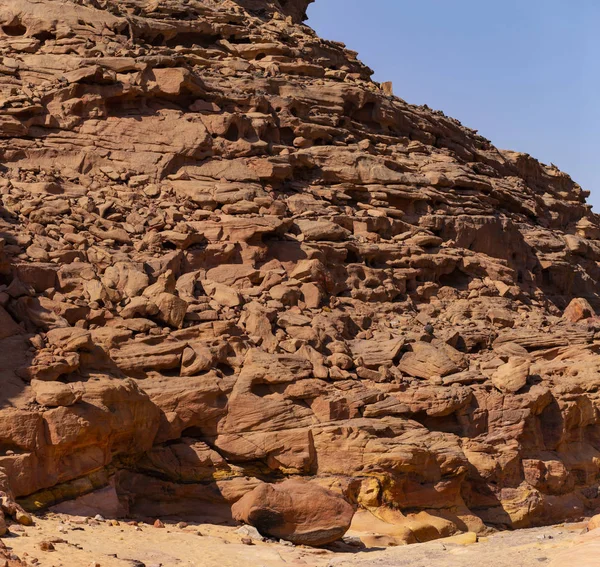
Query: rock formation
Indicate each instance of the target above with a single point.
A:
(229, 258)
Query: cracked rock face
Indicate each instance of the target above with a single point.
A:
(228, 257)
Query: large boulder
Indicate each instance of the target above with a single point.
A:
(296, 511)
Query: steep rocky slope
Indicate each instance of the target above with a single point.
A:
(229, 257)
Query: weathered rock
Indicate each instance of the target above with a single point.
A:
(512, 376)
(229, 257)
(296, 511)
(427, 361)
(577, 310)
(55, 394)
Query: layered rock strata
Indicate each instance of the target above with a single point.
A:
(229, 258)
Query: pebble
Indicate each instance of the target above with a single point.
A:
(47, 546)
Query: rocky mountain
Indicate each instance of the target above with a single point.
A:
(230, 258)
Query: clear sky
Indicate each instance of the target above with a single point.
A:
(525, 73)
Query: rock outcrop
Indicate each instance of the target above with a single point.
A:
(228, 257)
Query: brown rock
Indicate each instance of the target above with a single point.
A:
(8, 327)
(223, 294)
(47, 546)
(228, 257)
(322, 230)
(55, 394)
(296, 511)
(171, 309)
(427, 361)
(577, 310)
(501, 318)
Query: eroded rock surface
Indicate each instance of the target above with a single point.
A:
(228, 257)
(296, 511)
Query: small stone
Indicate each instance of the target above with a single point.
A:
(249, 531)
(23, 518)
(468, 538)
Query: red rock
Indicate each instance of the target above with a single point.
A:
(296, 511)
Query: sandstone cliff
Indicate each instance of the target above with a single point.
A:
(228, 257)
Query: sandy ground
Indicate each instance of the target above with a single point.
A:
(89, 543)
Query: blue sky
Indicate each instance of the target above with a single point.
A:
(525, 73)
